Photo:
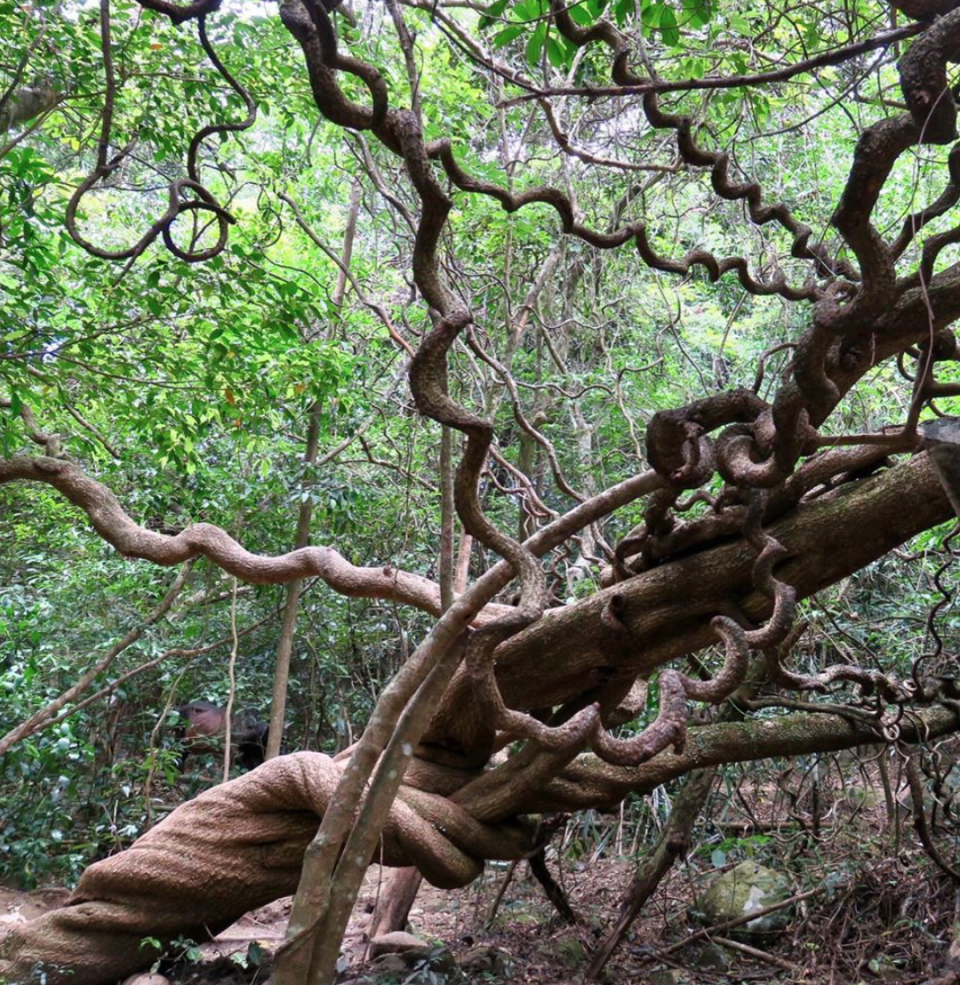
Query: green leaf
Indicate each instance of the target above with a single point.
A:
(696, 13)
(650, 15)
(535, 45)
(556, 54)
(507, 35)
(669, 30)
(494, 11)
(581, 15)
(255, 954)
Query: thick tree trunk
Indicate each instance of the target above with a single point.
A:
(666, 612)
(154, 888)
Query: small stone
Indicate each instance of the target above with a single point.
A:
(861, 798)
(707, 956)
(668, 976)
(399, 950)
(594, 922)
(569, 951)
(389, 964)
(484, 958)
(441, 959)
(146, 980)
(885, 968)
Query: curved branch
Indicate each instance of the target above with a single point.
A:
(206, 540)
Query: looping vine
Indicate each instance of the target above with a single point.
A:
(179, 201)
(335, 60)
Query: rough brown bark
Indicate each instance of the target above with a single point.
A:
(205, 864)
(666, 611)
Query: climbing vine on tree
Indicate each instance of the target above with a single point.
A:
(646, 308)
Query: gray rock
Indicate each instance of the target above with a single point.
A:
(707, 956)
(484, 958)
(948, 794)
(389, 964)
(668, 976)
(744, 889)
(568, 951)
(860, 798)
(886, 968)
(143, 979)
(441, 959)
(397, 953)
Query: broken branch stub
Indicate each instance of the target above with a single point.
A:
(942, 442)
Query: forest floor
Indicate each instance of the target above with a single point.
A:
(883, 915)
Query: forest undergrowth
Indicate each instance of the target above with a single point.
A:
(868, 907)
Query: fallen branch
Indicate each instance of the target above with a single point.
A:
(674, 843)
(755, 952)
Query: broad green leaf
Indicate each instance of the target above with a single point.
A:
(555, 53)
(650, 15)
(535, 44)
(581, 14)
(507, 35)
(669, 29)
(494, 11)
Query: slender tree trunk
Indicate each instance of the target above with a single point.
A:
(400, 890)
(673, 844)
(674, 840)
(349, 236)
(462, 572)
(552, 889)
(281, 673)
(447, 516)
